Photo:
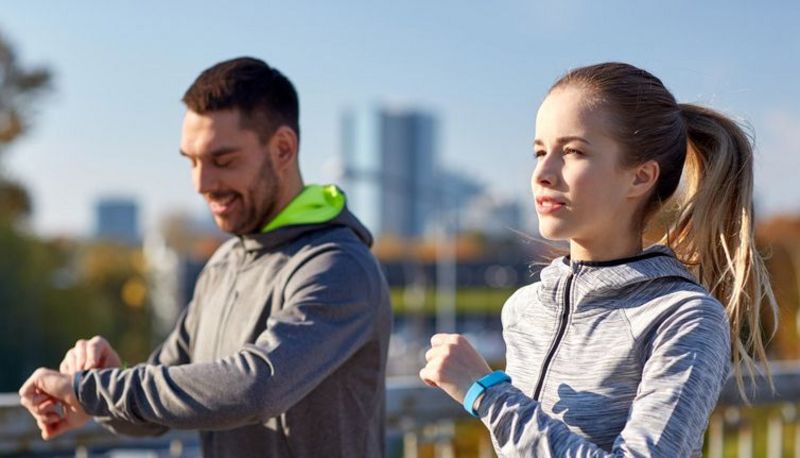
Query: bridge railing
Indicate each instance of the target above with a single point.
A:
(424, 421)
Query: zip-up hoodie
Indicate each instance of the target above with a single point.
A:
(612, 358)
(282, 351)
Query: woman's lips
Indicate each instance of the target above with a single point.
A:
(548, 206)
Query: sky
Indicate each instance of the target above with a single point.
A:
(111, 125)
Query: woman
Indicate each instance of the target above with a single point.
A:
(618, 350)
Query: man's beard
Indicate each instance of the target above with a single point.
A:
(263, 200)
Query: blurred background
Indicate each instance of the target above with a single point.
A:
(423, 112)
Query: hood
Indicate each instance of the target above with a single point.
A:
(603, 278)
(314, 208)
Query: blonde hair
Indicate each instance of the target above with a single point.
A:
(708, 223)
(713, 232)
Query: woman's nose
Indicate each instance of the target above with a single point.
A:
(544, 173)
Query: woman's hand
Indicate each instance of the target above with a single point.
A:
(453, 365)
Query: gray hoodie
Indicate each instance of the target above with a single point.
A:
(616, 358)
(282, 352)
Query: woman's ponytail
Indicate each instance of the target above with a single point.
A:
(714, 230)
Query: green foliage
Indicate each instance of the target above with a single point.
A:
(19, 89)
(467, 300)
(32, 331)
(47, 302)
(15, 204)
(54, 292)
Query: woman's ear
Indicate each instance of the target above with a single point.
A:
(645, 178)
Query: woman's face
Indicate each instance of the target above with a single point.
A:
(580, 191)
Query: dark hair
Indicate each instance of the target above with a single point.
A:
(709, 223)
(265, 97)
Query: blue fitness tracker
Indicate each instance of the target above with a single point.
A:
(480, 386)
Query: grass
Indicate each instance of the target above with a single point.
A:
(467, 301)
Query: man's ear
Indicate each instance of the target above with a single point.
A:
(283, 147)
(645, 177)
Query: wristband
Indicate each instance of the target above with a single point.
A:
(480, 386)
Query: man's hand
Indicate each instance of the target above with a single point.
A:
(44, 394)
(95, 353)
(453, 365)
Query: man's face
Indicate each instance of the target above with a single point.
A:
(232, 169)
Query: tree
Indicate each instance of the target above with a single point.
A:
(779, 238)
(20, 295)
(20, 90)
(55, 291)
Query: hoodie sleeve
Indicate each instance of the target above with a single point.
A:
(681, 382)
(330, 308)
(172, 352)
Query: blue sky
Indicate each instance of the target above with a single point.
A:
(112, 124)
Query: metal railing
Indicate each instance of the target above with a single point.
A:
(419, 418)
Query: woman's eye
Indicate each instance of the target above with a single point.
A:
(538, 154)
(573, 151)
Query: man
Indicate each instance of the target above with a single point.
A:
(282, 350)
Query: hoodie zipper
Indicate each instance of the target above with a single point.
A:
(562, 328)
(574, 268)
(229, 303)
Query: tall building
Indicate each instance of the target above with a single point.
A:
(389, 169)
(117, 219)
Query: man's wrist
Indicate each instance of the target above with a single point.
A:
(76, 385)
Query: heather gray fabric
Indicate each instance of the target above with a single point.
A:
(635, 370)
(281, 353)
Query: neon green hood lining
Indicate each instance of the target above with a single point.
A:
(314, 204)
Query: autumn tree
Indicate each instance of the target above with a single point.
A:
(20, 91)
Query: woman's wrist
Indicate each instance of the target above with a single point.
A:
(476, 405)
(477, 390)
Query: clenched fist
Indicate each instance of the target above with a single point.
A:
(453, 365)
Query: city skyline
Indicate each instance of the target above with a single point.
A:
(112, 123)
(389, 161)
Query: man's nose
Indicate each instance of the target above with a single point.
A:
(205, 178)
